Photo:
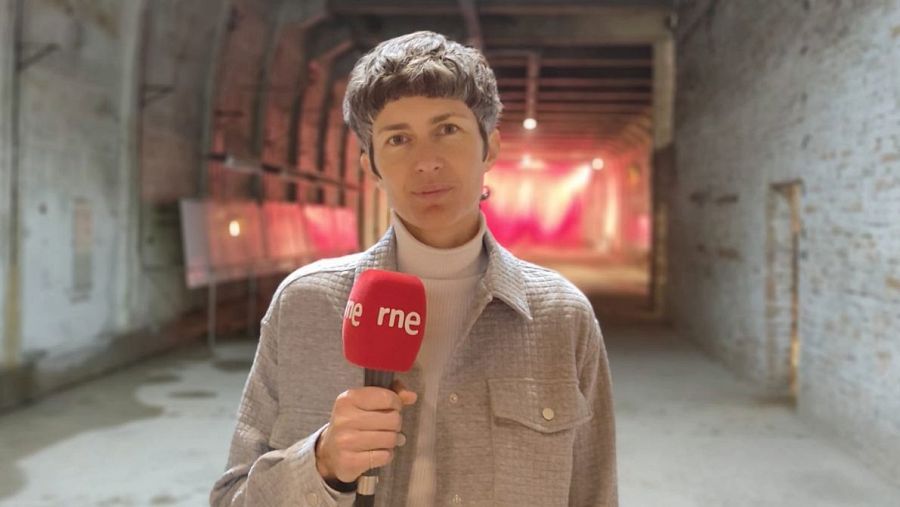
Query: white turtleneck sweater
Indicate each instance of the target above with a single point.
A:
(450, 277)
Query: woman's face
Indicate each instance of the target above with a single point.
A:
(429, 153)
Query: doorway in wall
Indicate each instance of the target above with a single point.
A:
(782, 284)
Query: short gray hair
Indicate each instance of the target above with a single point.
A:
(420, 64)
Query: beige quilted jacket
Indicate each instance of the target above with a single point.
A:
(525, 417)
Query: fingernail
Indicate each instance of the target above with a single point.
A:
(401, 439)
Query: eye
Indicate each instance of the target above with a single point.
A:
(448, 128)
(396, 140)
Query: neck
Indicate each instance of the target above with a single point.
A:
(447, 238)
(425, 261)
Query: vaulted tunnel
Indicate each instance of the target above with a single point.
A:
(720, 179)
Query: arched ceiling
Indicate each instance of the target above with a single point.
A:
(583, 69)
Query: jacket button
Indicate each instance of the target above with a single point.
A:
(454, 398)
(312, 498)
(456, 500)
(548, 414)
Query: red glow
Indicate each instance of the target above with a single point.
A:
(640, 232)
(566, 204)
(537, 207)
(332, 231)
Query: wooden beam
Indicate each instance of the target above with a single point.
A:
(511, 24)
(629, 63)
(473, 26)
(509, 97)
(548, 8)
(569, 107)
(577, 28)
(581, 82)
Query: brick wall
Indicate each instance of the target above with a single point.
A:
(100, 243)
(785, 94)
(6, 66)
(73, 190)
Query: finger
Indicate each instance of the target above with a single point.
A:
(375, 398)
(369, 440)
(407, 397)
(364, 420)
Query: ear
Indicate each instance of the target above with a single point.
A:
(366, 164)
(493, 150)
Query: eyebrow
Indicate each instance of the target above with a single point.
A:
(437, 119)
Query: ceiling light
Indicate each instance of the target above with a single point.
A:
(234, 228)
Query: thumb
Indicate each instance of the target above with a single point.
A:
(407, 397)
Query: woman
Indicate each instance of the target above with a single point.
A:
(509, 402)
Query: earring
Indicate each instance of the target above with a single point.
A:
(485, 193)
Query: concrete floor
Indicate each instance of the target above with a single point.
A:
(689, 434)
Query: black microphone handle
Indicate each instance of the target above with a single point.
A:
(365, 493)
(378, 378)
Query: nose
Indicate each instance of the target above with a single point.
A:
(428, 160)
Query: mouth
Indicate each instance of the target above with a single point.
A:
(432, 191)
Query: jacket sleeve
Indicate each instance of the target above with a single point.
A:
(256, 474)
(594, 476)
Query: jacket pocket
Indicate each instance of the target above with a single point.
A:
(532, 435)
(294, 425)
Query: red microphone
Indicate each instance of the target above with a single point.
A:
(384, 322)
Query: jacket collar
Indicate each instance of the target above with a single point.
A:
(503, 279)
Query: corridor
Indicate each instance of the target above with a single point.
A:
(689, 434)
(721, 179)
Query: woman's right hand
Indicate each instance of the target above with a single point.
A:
(363, 430)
